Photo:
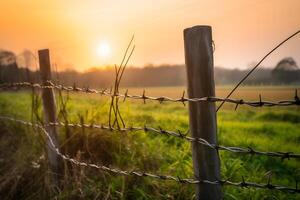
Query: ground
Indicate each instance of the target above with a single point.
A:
(24, 173)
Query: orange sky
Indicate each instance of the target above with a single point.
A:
(243, 30)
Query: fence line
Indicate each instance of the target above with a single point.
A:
(178, 134)
(242, 184)
(161, 99)
(200, 111)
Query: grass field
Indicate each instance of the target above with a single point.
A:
(23, 170)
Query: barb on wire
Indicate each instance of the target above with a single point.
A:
(256, 66)
(178, 134)
(242, 184)
(144, 97)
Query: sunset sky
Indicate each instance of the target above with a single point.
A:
(84, 34)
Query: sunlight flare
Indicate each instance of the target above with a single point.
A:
(104, 50)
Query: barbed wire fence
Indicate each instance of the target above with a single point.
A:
(117, 124)
(242, 183)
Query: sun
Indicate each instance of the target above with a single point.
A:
(104, 50)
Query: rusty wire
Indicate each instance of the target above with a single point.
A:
(242, 184)
(177, 134)
(161, 99)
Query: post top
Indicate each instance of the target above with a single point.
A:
(43, 50)
(198, 28)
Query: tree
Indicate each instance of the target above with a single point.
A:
(286, 71)
(8, 67)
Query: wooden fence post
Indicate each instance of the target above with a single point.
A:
(202, 115)
(49, 108)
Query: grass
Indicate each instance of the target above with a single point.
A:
(24, 173)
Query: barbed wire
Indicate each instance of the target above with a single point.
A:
(161, 99)
(178, 134)
(256, 66)
(114, 125)
(242, 184)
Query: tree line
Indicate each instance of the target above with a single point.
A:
(164, 75)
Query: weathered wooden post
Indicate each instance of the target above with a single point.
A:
(202, 115)
(49, 108)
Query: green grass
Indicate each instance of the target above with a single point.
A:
(267, 129)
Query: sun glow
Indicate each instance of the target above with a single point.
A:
(104, 50)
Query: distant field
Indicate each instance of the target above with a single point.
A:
(246, 92)
(268, 93)
(267, 129)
